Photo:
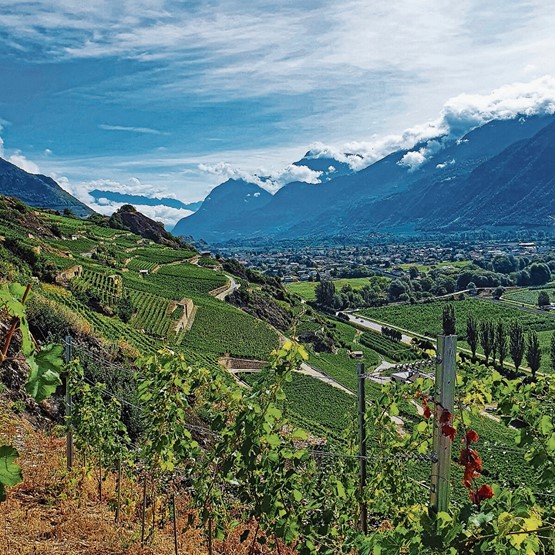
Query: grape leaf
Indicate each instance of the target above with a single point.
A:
(45, 366)
(10, 473)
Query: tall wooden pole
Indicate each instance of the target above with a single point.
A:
(362, 445)
(68, 354)
(444, 397)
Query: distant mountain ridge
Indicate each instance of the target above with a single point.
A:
(455, 185)
(142, 200)
(38, 191)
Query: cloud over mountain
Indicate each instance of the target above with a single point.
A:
(270, 181)
(458, 116)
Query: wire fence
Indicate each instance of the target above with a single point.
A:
(104, 358)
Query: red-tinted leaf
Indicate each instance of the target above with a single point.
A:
(471, 437)
(449, 431)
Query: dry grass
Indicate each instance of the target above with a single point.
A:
(58, 512)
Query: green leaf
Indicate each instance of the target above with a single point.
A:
(421, 426)
(299, 434)
(340, 490)
(10, 473)
(45, 372)
(546, 426)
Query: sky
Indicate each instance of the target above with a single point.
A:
(171, 98)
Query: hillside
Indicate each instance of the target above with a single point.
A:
(221, 452)
(38, 190)
(396, 194)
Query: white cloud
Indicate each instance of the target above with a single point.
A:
(445, 164)
(415, 158)
(146, 130)
(271, 181)
(458, 116)
(21, 162)
(165, 214)
(81, 190)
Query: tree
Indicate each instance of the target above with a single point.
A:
(472, 334)
(501, 342)
(413, 272)
(497, 293)
(449, 321)
(533, 353)
(552, 351)
(543, 299)
(325, 293)
(539, 273)
(516, 343)
(491, 332)
(486, 338)
(125, 308)
(396, 289)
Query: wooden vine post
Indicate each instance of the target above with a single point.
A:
(68, 354)
(444, 398)
(362, 445)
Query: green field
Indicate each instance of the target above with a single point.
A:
(426, 318)
(305, 289)
(529, 296)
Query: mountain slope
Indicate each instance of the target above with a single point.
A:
(39, 191)
(227, 204)
(405, 191)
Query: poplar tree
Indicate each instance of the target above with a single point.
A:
(517, 343)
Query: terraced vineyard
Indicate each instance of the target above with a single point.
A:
(153, 314)
(111, 328)
(319, 405)
(138, 263)
(108, 285)
(79, 246)
(161, 255)
(220, 328)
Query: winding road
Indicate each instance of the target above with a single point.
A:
(233, 286)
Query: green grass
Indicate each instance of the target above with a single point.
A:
(305, 289)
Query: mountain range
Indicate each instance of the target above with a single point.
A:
(38, 191)
(499, 174)
(126, 198)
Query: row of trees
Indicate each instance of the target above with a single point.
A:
(499, 340)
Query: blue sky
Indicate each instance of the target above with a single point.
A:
(171, 98)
